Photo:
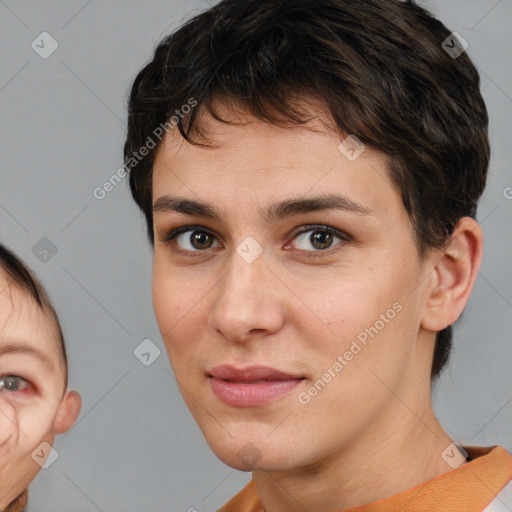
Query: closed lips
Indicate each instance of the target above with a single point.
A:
(252, 375)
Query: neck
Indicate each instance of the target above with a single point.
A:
(385, 460)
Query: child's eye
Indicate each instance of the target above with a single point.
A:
(13, 383)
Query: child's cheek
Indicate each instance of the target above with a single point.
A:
(9, 425)
(25, 421)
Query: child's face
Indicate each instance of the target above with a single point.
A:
(294, 297)
(33, 405)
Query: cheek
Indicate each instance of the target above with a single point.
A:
(343, 304)
(177, 302)
(8, 423)
(24, 424)
(168, 295)
(366, 317)
(36, 419)
(372, 345)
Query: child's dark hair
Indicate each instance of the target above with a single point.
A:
(378, 65)
(20, 275)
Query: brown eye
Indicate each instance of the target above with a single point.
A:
(200, 240)
(319, 239)
(193, 240)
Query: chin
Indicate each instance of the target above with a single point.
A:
(251, 454)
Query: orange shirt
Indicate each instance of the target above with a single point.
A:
(469, 488)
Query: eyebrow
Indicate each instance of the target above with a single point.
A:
(18, 348)
(273, 213)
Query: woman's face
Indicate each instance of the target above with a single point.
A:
(329, 295)
(31, 388)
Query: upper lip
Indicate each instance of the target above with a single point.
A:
(251, 373)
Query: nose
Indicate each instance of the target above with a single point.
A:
(8, 424)
(248, 302)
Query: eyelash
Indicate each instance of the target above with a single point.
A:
(172, 234)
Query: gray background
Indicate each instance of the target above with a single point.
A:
(135, 446)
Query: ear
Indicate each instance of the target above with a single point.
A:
(455, 276)
(67, 412)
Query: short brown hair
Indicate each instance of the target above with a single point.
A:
(378, 65)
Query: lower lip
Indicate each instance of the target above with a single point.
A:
(238, 394)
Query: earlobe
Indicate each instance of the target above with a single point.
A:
(68, 412)
(456, 273)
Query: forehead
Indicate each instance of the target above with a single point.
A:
(260, 162)
(24, 323)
